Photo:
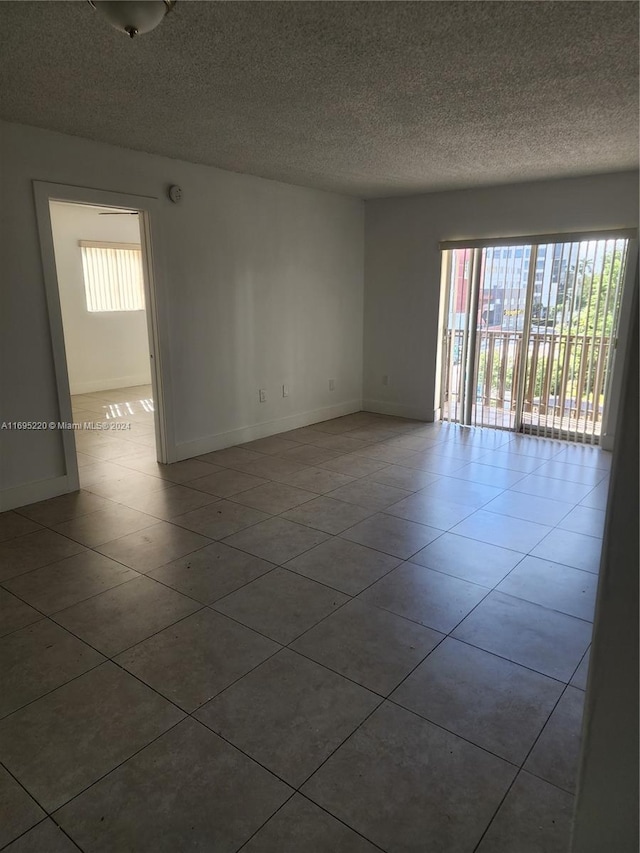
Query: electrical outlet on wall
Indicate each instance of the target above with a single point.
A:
(332, 385)
(262, 395)
(285, 390)
(386, 380)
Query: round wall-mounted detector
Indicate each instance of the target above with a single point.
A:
(175, 193)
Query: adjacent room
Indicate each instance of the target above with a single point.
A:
(319, 427)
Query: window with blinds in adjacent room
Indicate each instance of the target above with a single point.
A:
(113, 278)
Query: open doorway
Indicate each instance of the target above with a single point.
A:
(100, 273)
(104, 313)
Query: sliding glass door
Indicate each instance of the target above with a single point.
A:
(528, 333)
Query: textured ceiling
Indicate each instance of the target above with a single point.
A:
(368, 98)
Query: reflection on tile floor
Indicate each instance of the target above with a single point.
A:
(353, 636)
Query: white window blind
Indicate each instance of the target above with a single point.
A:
(113, 278)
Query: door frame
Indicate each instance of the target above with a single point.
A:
(155, 309)
(616, 368)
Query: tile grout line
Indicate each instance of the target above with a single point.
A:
(522, 769)
(221, 541)
(279, 565)
(190, 715)
(349, 598)
(111, 658)
(45, 819)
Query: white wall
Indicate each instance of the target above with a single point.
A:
(402, 266)
(104, 349)
(264, 286)
(606, 815)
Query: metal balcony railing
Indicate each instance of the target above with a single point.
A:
(564, 380)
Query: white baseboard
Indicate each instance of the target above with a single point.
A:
(40, 490)
(109, 384)
(189, 449)
(606, 441)
(383, 407)
(44, 489)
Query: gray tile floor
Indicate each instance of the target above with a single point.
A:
(367, 634)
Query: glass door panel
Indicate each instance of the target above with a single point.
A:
(528, 335)
(574, 319)
(500, 322)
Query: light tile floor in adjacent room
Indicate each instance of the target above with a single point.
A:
(367, 634)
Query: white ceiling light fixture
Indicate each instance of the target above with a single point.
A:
(133, 17)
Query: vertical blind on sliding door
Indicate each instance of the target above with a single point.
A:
(528, 333)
